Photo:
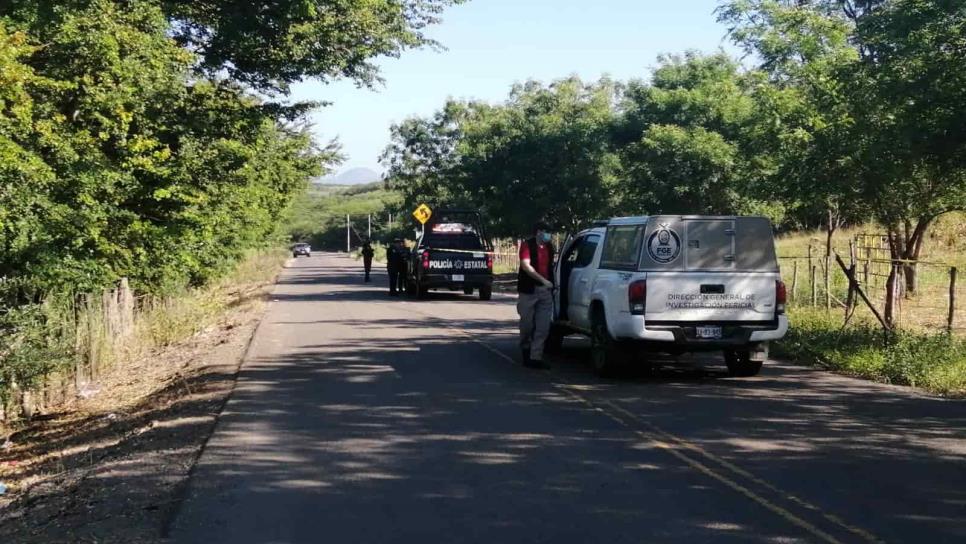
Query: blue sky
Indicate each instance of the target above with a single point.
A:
(492, 44)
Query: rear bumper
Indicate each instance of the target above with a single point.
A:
(446, 281)
(683, 333)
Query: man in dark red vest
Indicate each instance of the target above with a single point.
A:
(535, 288)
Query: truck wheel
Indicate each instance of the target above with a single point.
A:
(421, 291)
(411, 288)
(740, 364)
(554, 343)
(467, 290)
(486, 292)
(605, 355)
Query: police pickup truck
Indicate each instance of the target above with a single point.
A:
(671, 284)
(452, 253)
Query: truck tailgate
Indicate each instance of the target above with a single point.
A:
(443, 261)
(710, 297)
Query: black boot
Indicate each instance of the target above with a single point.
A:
(525, 356)
(538, 363)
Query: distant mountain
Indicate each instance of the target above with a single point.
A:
(352, 176)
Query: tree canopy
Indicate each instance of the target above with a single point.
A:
(854, 110)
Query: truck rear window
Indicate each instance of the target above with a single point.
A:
(453, 241)
(452, 236)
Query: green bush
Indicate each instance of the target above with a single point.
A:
(934, 362)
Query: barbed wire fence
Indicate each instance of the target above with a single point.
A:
(817, 280)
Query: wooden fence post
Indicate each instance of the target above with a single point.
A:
(795, 281)
(952, 300)
(814, 285)
(809, 255)
(828, 289)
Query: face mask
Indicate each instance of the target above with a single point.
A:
(545, 237)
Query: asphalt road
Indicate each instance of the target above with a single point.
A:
(362, 418)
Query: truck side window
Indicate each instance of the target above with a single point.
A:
(622, 246)
(571, 256)
(588, 247)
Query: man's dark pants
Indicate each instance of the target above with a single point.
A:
(367, 262)
(393, 279)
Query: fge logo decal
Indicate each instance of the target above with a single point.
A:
(664, 245)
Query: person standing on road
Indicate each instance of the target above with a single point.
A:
(367, 254)
(395, 265)
(535, 288)
(403, 265)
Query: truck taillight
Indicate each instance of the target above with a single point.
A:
(781, 297)
(489, 261)
(425, 260)
(637, 297)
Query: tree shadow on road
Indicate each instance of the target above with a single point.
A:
(445, 440)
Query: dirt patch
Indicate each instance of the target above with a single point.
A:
(111, 468)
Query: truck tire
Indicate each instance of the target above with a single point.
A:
(554, 343)
(411, 288)
(421, 291)
(740, 364)
(486, 292)
(605, 352)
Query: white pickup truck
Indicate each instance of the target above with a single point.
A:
(671, 284)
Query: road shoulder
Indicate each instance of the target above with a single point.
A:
(113, 469)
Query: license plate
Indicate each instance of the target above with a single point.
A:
(458, 277)
(711, 332)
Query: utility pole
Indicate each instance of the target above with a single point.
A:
(369, 235)
(348, 238)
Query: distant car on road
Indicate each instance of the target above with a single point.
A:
(672, 284)
(453, 254)
(301, 249)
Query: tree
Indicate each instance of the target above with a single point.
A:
(544, 153)
(687, 140)
(912, 93)
(271, 43)
(882, 89)
(422, 160)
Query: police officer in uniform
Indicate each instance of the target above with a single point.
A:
(396, 266)
(367, 254)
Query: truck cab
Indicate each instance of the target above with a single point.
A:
(672, 284)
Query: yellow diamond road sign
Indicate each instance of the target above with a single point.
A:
(423, 213)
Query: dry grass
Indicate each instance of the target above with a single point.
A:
(90, 342)
(924, 311)
(152, 407)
